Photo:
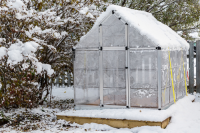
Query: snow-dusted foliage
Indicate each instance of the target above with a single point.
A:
(36, 38)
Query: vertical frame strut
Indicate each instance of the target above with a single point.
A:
(73, 59)
(101, 65)
(159, 76)
(127, 66)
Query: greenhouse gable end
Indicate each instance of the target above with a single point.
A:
(124, 61)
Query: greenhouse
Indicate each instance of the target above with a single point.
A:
(129, 59)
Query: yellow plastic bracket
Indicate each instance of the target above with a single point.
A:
(172, 77)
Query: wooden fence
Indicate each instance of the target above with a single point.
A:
(63, 80)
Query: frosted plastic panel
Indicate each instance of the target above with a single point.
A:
(79, 78)
(111, 20)
(86, 60)
(114, 92)
(166, 75)
(113, 33)
(86, 96)
(114, 78)
(143, 97)
(143, 78)
(166, 78)
(179, 89)
(91, 40)
(165, 96)
(86, 78)
(113, 96)
(178, 74)
(143, 65)
(114, 59)
(136, 39)
(171, 95)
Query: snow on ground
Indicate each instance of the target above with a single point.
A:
(62, 93)
(131, 114)
(185, 119)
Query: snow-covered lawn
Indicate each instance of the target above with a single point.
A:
(62, 93)
(185, 119)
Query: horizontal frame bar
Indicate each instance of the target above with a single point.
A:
(89, 107)
(91, 49)
(114, 106)
(150, 48)
(114, 48)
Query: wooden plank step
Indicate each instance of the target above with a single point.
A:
(116, 123)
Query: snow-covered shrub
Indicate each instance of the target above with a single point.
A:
(36, 38)
(19, 75)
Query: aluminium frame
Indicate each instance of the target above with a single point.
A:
(127, 68)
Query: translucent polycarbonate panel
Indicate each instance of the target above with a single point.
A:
(87, 96)
(79, 78)
(180, 76)
(90, 40)
(179, 89)
(86, 59)
(178, 58)
(111, 20)
(144, 98)
(165, 60)
(172, 55)
(182, 90)
(114, 79)
(166, 74)
(174, 80)
(86, 78)
(165, 78)
(171, 98)
(113, 33)
(143, 78)
(114, 96)
(137, 39)
(165, 96)
(143, 69)
(114, 59)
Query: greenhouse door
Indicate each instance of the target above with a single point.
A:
(113, 62)
(114, 77)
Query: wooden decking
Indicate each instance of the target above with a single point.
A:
(117, 123)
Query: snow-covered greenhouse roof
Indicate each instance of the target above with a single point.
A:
(155, 32)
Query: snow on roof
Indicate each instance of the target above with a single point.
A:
(159, 33)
